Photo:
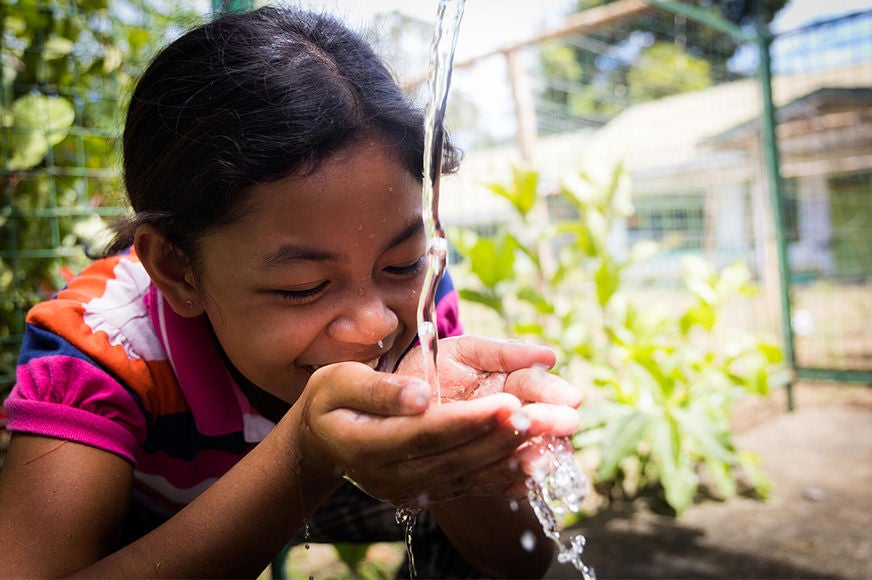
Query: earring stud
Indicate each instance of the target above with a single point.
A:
(189, 304)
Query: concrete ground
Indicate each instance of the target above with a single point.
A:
(817, 524)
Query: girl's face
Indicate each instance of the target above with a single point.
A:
(320, 269)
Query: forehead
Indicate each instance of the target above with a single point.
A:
(361, 193)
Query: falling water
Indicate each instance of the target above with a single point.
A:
(557, 485)
(448, 19)
(448, 16)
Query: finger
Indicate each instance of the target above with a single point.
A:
(441, 429)
(355, 386)
(494, 355)
(536, 385)
(493, 476)
(537, 419)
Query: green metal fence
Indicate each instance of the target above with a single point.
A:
(825, 145)
(67, 69)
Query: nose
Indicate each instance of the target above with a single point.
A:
(364, 319)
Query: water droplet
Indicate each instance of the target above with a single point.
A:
(307, 532)
(528, 540)
(520, 421)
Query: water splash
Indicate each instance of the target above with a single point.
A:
(406, 517)
(307, 532)
(556, 488)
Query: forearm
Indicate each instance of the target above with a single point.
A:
(238, 524)
(494, 533)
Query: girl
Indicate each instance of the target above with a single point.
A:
(237, 369)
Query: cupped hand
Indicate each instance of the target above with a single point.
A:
(471, 367)
(372, 428)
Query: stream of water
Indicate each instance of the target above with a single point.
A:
(557, 486)
(448, 17)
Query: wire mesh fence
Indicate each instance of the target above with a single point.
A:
(824, 95)
(677, 101)
(67, 73)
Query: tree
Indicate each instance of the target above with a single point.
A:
(652, 55)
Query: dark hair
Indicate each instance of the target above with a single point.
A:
(251, 98)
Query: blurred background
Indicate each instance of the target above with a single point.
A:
(677, 196)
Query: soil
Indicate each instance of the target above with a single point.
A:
(816, 524)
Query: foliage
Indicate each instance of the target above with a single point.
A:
(651, 55)
(667, 379)
(360, 566)
(66, 71)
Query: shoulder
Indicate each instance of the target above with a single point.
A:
(103, 314)
(91, 367)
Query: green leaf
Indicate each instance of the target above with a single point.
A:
(485, 298)
(493, 261)
(697, 425)
(581, 240)
(701, 314)
(750, 463)
(57, 47)
(539, 302)
(38, 123)
(607, 279)
(522, 193)
(677, 474)
(720, 472)
(528, 328)
(622, 436)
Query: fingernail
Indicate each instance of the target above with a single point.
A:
(416, 395)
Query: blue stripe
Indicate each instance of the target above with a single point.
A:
(177, 436)
(445, 287)
(39, 342)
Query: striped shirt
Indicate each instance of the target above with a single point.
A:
(109, 364)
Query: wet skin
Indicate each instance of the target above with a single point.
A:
(321, 269)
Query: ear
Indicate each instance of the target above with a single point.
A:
(170, 270)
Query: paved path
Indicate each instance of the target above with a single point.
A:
(818, 523)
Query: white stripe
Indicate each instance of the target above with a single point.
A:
(177, 495)
(121, 313)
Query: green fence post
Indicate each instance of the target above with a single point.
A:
(769, 148)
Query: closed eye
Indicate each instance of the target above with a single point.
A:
(303, 296)
(408, 270)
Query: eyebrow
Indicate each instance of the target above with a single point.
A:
(292, 253)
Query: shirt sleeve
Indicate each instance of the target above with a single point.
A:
(60, 392)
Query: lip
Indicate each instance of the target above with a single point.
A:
(378, 363)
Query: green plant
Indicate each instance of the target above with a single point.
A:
(66, 70)
(667, 378)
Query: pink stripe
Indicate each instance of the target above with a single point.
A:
(203, 378)
(448, 315)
